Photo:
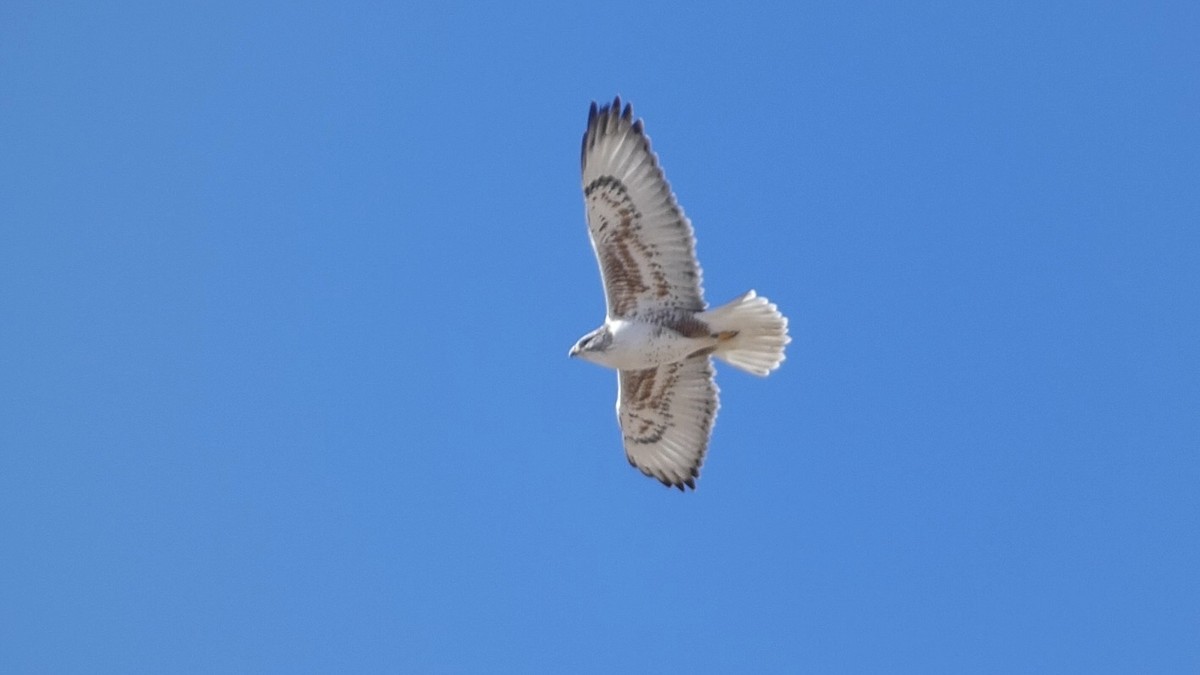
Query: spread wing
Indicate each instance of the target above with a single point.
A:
(666, 416)
(643, 242)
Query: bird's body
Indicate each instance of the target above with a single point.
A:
(638, 343)
(658, 333)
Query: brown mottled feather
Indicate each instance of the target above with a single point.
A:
(643, 240)
(666, 416)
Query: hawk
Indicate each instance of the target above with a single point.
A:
(658, 332)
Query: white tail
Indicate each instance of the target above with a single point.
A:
(753, 333)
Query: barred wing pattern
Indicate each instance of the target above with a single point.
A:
(642, 240)
(666, 416)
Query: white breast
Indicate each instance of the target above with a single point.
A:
(637, 345)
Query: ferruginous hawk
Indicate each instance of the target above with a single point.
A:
(658, 333)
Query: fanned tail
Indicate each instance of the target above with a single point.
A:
(753, 333)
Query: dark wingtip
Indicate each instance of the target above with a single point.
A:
(612, 112)
(606, 118)
(682, 486)
(593, 113)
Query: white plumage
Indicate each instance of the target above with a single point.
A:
(657, 333)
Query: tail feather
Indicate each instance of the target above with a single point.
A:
(752, 331)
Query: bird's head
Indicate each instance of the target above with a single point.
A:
(593, 344)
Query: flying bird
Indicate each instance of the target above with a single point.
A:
(658, 332)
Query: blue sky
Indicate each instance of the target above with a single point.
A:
(287, 292)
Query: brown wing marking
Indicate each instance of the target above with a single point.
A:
(666, 416)
(638, 229)
(638, 394)
(622, 253)
(684, 323)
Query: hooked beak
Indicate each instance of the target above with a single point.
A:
(574, 352)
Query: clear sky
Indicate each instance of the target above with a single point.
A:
(286, 294)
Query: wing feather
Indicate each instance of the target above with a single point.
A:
(666, 416)
(643, 241)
